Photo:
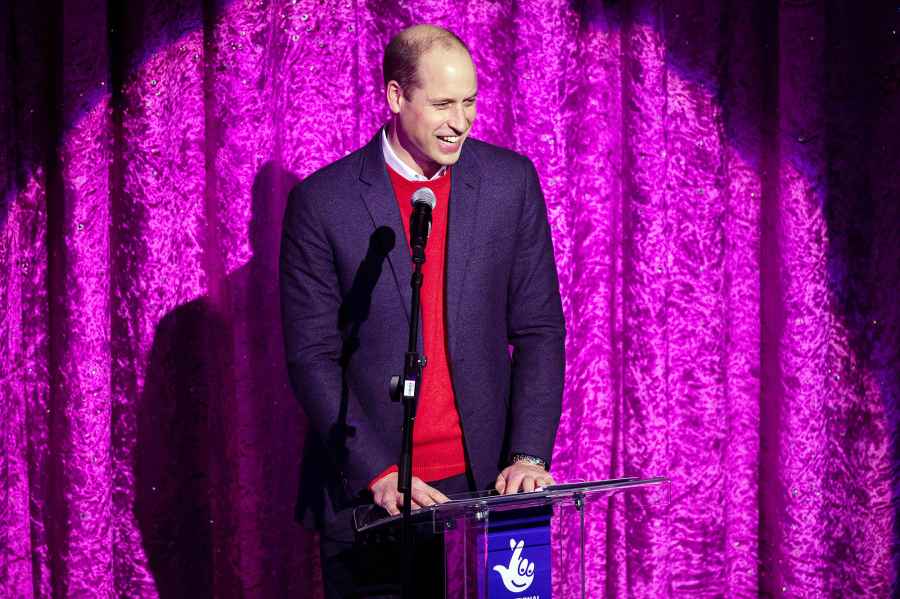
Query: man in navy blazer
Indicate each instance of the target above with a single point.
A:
(345, 293)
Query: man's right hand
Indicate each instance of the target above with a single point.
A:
(387, 496)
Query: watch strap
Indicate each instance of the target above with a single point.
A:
(527, 459)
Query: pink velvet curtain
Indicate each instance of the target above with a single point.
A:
(722, 185)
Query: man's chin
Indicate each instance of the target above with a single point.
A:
(449, 158)
(446, 155)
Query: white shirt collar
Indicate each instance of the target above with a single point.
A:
(399, 166)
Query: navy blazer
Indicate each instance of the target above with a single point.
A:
(345, 298)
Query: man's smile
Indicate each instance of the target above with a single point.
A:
(450, 144)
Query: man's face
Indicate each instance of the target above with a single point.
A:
(433, 120)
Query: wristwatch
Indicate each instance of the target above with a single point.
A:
(528, 459)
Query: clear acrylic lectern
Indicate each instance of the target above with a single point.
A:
(498, 546)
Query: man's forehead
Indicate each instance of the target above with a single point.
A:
(440, 54)
(447, 68)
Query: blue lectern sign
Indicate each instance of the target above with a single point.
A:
(518, 554)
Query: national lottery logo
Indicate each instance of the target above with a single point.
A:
(519, 574)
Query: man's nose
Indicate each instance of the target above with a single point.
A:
(457, 119)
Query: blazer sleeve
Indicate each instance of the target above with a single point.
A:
(536, 330)
(310, 302)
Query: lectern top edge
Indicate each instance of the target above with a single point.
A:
(370, 518)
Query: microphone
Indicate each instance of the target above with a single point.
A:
(423, 201)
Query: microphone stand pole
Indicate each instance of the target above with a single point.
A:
(407, 389)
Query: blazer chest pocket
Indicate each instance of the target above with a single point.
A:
(497, 248)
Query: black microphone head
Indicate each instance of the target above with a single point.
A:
(424, 195)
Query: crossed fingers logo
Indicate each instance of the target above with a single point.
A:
(519, 574)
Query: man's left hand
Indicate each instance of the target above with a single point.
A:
(522, 476)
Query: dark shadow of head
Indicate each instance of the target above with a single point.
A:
(208, 357)
(269, 195)
(861, 117)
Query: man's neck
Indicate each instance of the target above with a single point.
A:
(396, 139)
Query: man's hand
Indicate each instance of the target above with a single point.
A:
(386, 494)
(524, 476)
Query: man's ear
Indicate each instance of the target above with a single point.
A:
(394, 94)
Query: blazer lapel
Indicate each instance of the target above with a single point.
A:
(378, 196)
(463, 211)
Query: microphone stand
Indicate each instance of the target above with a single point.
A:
(413, 364)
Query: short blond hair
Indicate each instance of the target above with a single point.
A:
(403, 52)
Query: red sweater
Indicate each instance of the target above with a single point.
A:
(437, 437)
